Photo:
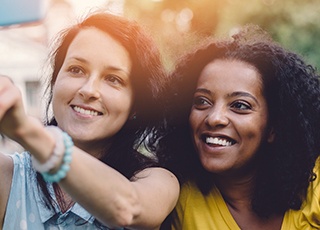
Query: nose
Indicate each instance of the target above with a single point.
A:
(90, 88)
(217, 117)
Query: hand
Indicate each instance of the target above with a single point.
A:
(12, 113)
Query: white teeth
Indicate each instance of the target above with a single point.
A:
(218, 141)
(85, 111)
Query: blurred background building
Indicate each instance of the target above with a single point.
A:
(175, 24)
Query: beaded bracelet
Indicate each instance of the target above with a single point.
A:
(65, 166)
(56, 154)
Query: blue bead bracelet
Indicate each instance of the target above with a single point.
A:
(65, 166)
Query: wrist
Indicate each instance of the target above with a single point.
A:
(57, 166)
(56, 156)
(36, 139)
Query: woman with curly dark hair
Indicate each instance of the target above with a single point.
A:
(252, 159)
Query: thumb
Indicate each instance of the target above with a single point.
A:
(12, 112)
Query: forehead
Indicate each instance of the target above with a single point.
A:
(230, 74)
(99, 46)
(93, 33)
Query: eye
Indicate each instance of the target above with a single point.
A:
(200, 103)
(76, 70)
(114, 79)
(241, 106)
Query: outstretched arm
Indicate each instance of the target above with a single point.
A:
(116, 201)
(12, 117)
(142, 203)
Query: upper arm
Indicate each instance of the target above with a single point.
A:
(6, 172)
(140, 203)
(158, 191)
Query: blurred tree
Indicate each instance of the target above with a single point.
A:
(179, 24)
(293, 23)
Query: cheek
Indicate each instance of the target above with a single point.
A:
(196, 119)
(256, 132)
(56, 103)
(58, 92)
(193, 121)
(61, 87)
(121, 102)
(263, 128)
(194, 116)
(55, 95)
(62, 93)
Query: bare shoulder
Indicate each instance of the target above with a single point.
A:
(161, 175)
(156, 170)
(159, 182)
(158, 191)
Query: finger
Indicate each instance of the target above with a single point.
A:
(5, 82)
(7, 77)
(10, 96)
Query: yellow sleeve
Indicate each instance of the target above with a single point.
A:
(178, 213)
(308, 217)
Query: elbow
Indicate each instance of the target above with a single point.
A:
(125, 218)
(125, 212)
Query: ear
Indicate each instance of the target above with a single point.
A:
(271, 135)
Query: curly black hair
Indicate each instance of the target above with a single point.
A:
(292, 91)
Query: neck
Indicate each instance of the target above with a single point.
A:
(95, 149)
(238, 197)
(238, 194)
(236, 191)
(237, 188)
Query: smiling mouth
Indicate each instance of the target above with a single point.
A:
(86, 111)
(220, 141)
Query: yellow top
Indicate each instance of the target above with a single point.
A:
(197, 212)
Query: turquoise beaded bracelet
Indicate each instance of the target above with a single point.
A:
(65, 166)
(56, 155)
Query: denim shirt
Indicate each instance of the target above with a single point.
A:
(26, 209)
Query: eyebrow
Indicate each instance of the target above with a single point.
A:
(234, 94)
(244, 94)
(202, 90)
(114, 68)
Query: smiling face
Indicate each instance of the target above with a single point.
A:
(229, 116)
(93, 95)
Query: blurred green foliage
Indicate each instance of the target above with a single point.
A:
(178, 24)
